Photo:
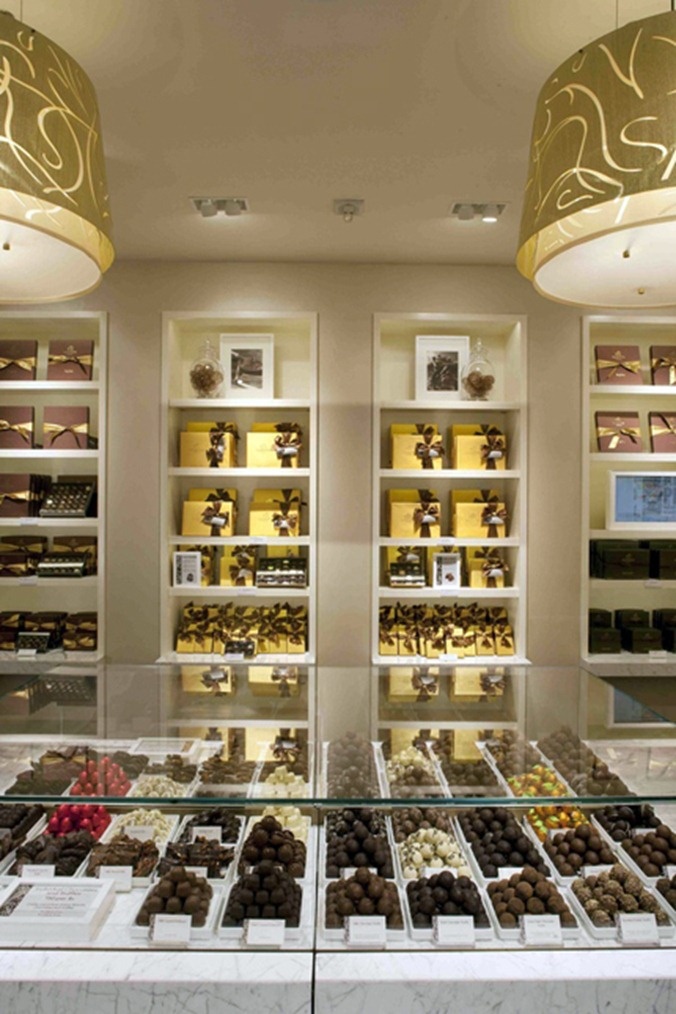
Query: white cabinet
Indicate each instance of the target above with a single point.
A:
(294, 400)
(31, 593)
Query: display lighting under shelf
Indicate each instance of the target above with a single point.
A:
(31, 580)
(635, 390)
(56, 656)
(85, 524)
(444, 540)
(178, 658)
(640, 459)
(643, 534)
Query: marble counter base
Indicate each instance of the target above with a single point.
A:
(123, 982)
(576, 982)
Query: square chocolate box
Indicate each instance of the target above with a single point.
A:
(663, 364)
(618, 431)
(662, 432)
(618, 364)
(604, 641)
(18, 359)
(641, 640)
(21, 494)
(66, 428)
(70, 360)
(16, 427)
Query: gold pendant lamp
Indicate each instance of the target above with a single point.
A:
(55, 226)
(599, 216)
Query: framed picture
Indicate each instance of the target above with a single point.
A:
(446, 570)
(248, 365)
(640, 501)
(439, 362)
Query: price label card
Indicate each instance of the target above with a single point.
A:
(29, 521)
(142, 832)
(213, 833)
(365, 931)
(199, 871)
(453, 931)
(33, 579)
(541, 931)
(448, 658)
(670, 871)
(234, 657)
(655, 655)
(638, 929)
(652, 582)
(239, 590)
(38, 872)
(170, 930)
(26, 653)
(120, 874)
(264, 932)
(593, 871)
(256, 540)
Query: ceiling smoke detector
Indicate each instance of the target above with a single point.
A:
(348, 207)
(210, 206)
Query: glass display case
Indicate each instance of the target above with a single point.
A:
(228, 808)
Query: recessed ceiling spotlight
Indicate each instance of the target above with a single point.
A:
(348, 207)
(466, 211)
(210, 206)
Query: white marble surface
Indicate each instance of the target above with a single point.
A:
(575, 982)
(167, 982)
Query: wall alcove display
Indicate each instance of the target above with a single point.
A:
(239, 484)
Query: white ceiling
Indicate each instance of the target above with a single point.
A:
(408, 104)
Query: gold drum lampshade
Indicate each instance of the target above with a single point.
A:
(54, 217)
(599, 216)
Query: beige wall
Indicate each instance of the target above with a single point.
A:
(345, 297)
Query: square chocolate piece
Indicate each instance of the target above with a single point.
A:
(663, 364)
(70, 360)
(18, 359)
(618, 431)
(618, 364)
(66, 427)
(16, 427)
(662, 432)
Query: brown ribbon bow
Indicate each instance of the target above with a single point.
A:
(211, 515)
(24, 430)
(215, 452)
(492, 517)
(287, 442)
(430, 447)
(492, 564)
(493, 449)
(424, 683)
(428, 513)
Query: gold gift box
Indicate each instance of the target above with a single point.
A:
(464, 745)
(413, 514)
(269, 446)
(259, 743)
(504, 641)
(238, 569)
(413, 446)
(274, 681)
(207, 519)
(202, 450)
(480, 448)
(214, 680)
(479, 578)
(474, 521)
(272, 522)
(467, 685)
(213, 494)
(409, 684)
(485, 642)
(207, 554)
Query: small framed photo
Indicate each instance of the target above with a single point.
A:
(439, 362)
(446, 570)
(187, 569)
(641, 501)
(248, 365)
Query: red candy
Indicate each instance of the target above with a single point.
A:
(103, 779)
(73, 817)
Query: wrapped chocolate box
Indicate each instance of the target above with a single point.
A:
(281, 572)
(413, 684)
(604, 641)
(275, 513)
(70, 360)
(18, 359)
(274, 680)
(662, 560)
(663, 364)
(623, 563)
(478, 446)
(416, 445)
(78, 545)
(641, 640)
(16, 427)
(662, 432)
(387, 631)
(602, 618)
(478, 514)
(631, 618)
(208, 519)
(669, 638)
(238, 566)
(486, 569)
(214, 679)
(65, 427)
(413, 513)
(80, 632)
(664, 618)
(274, 445)
(13, 564)
(618, 364)
(208, 445)
(21, 494)
(618, 431)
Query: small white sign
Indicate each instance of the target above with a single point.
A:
(365, 931)
(29, 521)
(448, 658)
(655, 655)
(38, 872)
(670, 871)
(257, 540)
(141, 832)
(170, 930)
(453, 931)
(214, 833)
(264, 932)
(199, 871)
(541, 931)
(31, 579)
(26, 653)
(187, 569)
(234, 657)
(593, 871)
(121, 875)
(638, 929)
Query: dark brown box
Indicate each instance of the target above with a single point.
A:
(664, 618)
(16, 427)
(618, 364)
(13, 620)
(34, 545)
(641, 640)
(45, 621)
(70, 360)
(600, 618)
(669, 638)
(20, 494)
(18, 359)
(13, 564)
(663, 364)
(618, 431)
(624, 564)
(80, 633)
(8, 637)
(631, 618)
(66, 428)
(663, 564)
(77, 544)
(662, 432)
(604, 641)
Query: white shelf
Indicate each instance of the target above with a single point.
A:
(228, 592)
(476, 660)
(240, 473)
(81, 524)
(85, 657)
(273, 405)
(444, 725)
(38, 452)
(49, 385)
(436, 594)
(89, 581)
(176, 658)
(639, 458)
(634, 390)
(239, 540)
(648, 583)
(448, 540)
(452, 473)
(473, 407)
(631, 659)
(633, 536)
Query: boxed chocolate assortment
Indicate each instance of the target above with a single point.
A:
(209, 445)
(618, 431)
(604, 641)
(618, 364)
(16, 427)
(70, 360)
(18, 359)
(65, 428)
(662, 432)
(210, 513)
(274, 445)
(416, 445)
(478, 514)
(663, 364)
(478, 446)
(245, 631)
(275, 513)
(616, 560)
(413, 514)
(237, 567)
(460, 631)
(22, 494)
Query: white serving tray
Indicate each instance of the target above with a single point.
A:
(612, 932)
(338, 935)
(291, 933)
(115, 827)
(196, 932)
